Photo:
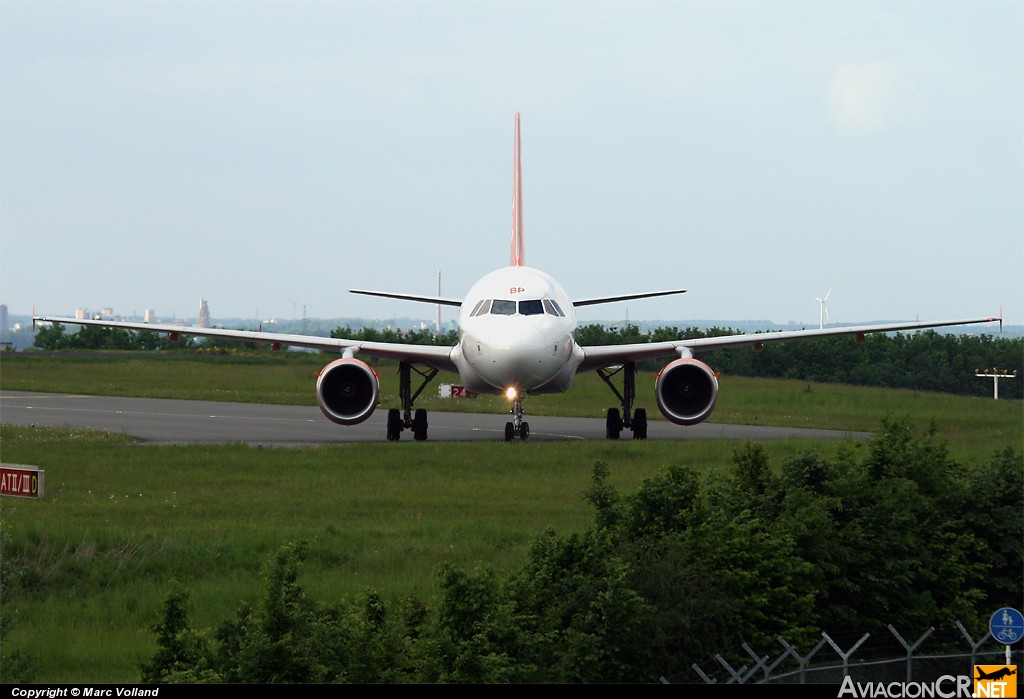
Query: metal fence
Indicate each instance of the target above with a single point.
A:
(879, 658)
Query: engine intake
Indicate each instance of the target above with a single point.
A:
(686, 390)
(347, 391)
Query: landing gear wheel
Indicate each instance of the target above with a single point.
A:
(613, 424)
(399, 419)
(419, 425)
(640, 424)
(635, 420)
(394, 424)
(517, 428)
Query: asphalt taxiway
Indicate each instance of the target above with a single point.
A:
(206, 422)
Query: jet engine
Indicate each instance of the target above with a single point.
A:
(347, 391)
(686, 391)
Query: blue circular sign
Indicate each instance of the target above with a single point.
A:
(1007, 625)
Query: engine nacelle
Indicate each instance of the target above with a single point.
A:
(347, 391)
(686, 390)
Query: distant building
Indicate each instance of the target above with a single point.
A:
(3, 316)
(204, 314)
(81, 313)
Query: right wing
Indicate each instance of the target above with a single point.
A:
(431, 355)
(599, 356)
(627, 297)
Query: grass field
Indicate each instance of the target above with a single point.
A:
(122, 524)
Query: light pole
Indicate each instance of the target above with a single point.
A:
(995, 375)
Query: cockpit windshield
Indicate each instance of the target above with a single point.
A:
(503, 308)
(531, 307)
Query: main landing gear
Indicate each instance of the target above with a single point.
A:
(517, 427)
(399, 420)
(635, 420)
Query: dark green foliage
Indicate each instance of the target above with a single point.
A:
(890, 532)
(410, 337)
(475, 637)
(90, 337)
(286, 637)
(183, 655)
(15, 666)
(990, 510)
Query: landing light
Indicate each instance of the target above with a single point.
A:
(511, 393)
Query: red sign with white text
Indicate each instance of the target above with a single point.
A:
(21, 481)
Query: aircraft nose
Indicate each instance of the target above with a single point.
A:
(522, 359)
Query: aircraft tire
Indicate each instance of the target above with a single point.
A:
(394, 425)
(419, 425)
(640, 424)
(613, 424)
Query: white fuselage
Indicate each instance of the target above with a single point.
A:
(516, 330)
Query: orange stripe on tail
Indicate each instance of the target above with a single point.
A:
(517, 257)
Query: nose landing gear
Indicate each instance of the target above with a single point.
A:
(517, 427)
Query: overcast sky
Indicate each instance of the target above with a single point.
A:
(269, 156)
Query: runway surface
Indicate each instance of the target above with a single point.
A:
(188, 421)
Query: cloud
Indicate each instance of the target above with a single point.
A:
(870, 98)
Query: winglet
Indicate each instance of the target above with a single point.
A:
(517, 258)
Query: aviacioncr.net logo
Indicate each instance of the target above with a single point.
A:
(946, 687)
(995, 681)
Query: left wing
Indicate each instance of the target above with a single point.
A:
(435, 356)
(605, 355)
(409, 297)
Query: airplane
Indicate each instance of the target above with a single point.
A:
(995, 674)
(516, 337)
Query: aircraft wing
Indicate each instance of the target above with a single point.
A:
(599, 356)
(627, 297)
(409, 297)
(438, 357)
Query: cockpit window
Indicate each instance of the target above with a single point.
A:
(480, 308)
(531, 308)
(503, 308)
(551, 308)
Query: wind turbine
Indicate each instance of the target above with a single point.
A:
(822, 312)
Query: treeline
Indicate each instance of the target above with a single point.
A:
(925, 360)
(687, 567)
(90, 337)
(409, 337)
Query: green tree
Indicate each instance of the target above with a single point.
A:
(991, 511)
(476, 638)
(286, 637)
(52, 337)
(183, 655)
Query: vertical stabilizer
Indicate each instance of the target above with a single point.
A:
(517, 202)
